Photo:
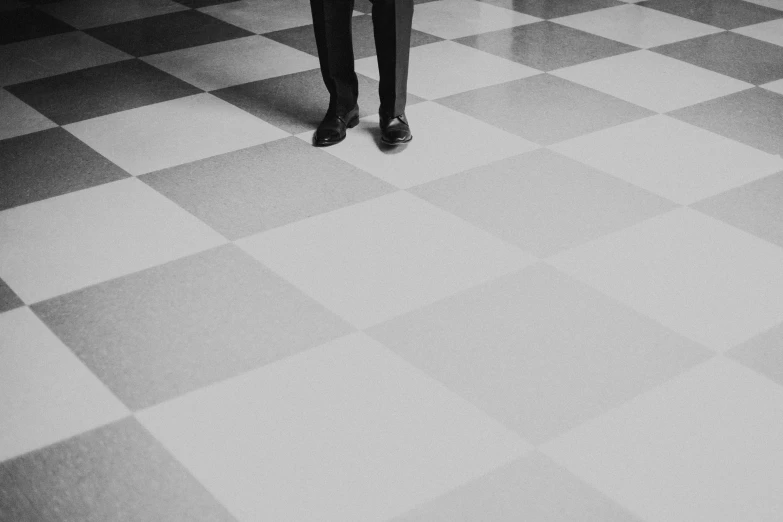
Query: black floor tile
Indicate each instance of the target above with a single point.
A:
(732, 54)
(548, 9)
(365, 6)
(24, 24)
(726, 14)
(11, 5)
(753, 116)
(196, 4)
(303, 38)
(544, 109)
(116, 472)
(755, 207)
(168, 32)
(50, 163)
(8, 299)
(159, 333)
(546, 45)
(97, 91)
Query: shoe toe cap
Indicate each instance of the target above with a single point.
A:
(395, 136)
(328, 136)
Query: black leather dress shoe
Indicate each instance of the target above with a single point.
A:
(332, 128)
(395, 131)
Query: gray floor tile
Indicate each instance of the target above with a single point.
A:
(756, 208)
(539, 351)
(49, 163)
(245, 192)
(544, 108)
(117, 472)
(753, 117)
(297, 102)
(726, 14)
(732, 54)
(545, 45)
(168, 330)
(548, 9)
(303, 38)
(8, 299)
(529, 489)
(763, 353)
(97, 91)
(542, 201)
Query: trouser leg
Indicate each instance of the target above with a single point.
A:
(392, 21)
(332, 24)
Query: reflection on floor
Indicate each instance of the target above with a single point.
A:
(563, 301)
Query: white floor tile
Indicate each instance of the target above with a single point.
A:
(64, 243)
(653, 81)
(636, 25)
(444, 142)
(445, 68)
(233, 62)
(377, 259)
(700, 277)
(344, 432)
(771, 31)
(671, 158)
(705, 446)
(46, 393)
(170, 133)
(458, 18)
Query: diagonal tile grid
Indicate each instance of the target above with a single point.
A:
(562, 301)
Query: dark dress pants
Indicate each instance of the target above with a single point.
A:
(392, 30)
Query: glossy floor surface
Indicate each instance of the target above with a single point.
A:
(563, 301)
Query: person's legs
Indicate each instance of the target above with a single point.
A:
(332, 25)
(392, 21)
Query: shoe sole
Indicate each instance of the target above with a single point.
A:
(395, 143)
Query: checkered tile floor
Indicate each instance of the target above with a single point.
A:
(563, 301)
